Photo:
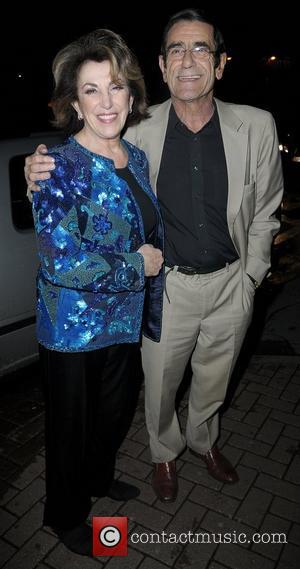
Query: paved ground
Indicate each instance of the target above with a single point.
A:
(260, 434)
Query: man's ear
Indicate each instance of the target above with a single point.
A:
(220, 69)
(162, 66)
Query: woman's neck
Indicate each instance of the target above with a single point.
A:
(110, 148)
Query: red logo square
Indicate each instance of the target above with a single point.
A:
(110, 536)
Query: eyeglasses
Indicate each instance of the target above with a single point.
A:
(200, 52)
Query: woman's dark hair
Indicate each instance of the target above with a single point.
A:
(191, 15)
(99, 45)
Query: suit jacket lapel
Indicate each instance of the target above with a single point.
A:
(153, 143)
(235, 139)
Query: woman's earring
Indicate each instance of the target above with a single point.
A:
(130, 110)
(80, 117)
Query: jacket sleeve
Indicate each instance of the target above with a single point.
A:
(269, 190)
(66, 259)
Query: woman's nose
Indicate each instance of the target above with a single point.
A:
(106, 100)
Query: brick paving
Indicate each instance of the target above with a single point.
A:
(260, 435)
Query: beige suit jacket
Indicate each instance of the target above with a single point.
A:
(255, 183)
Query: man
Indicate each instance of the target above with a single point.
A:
(216, 169)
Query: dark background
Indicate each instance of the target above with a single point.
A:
(253, 32)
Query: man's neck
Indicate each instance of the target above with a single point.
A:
(194, 114)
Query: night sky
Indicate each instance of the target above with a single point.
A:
(253, 33)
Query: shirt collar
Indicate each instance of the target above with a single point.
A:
(175, 122)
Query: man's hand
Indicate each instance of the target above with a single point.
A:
(38, 167)
(153, 259)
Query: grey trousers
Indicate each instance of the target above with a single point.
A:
(205, 317)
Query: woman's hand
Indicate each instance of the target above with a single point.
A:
(153, 259)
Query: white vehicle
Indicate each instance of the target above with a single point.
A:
(18, 255)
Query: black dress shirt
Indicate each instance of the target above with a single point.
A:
(192, 189)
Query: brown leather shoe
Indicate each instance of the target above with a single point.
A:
(164, 481)
(217, 465)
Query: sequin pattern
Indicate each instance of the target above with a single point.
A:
(91, 280)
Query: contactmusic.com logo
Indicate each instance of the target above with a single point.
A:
(110, 536)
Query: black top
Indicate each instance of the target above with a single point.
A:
(145, 204)
(192, 190)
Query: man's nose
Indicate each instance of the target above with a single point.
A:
(187, 59)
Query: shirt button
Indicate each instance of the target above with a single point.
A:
(201, 225)
(196, 168)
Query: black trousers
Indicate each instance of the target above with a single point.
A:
(90, 399)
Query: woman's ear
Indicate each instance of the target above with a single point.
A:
(131, 100)
(76, 107)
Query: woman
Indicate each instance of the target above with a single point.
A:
(99, 236)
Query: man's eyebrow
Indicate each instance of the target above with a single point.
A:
(175, 44)
(182, 44)
(201, 43)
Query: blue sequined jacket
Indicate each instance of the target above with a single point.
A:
(91, 285)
